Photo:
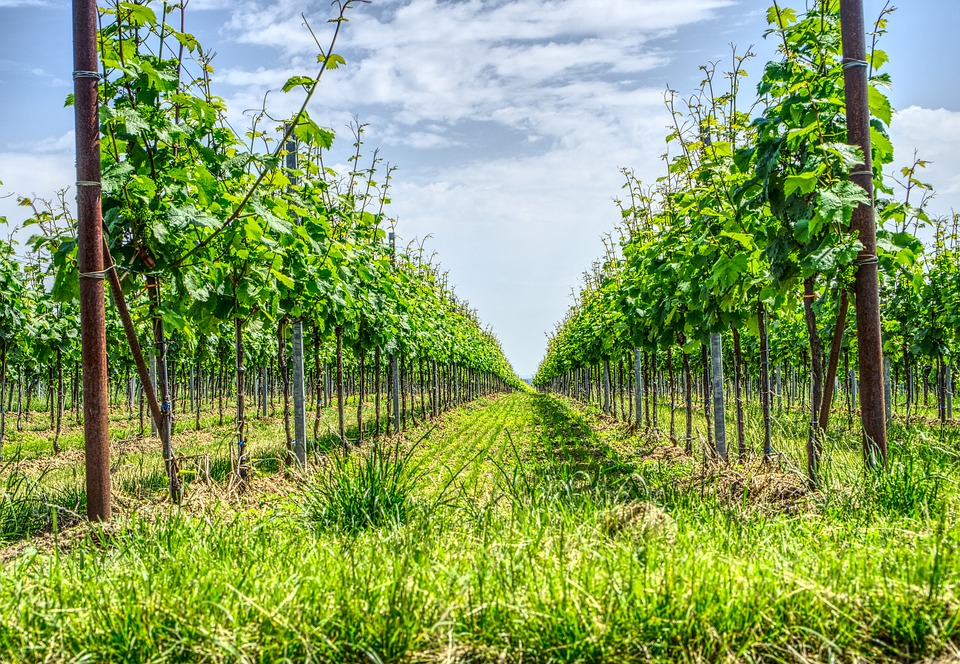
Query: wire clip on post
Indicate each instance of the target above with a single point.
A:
(850, 63)
(102, 274)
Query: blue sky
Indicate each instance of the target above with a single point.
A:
(508, 119)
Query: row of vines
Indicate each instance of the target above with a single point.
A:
(253, 268)
(742, 253)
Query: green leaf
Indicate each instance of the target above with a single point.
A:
(160, 231)
(726, 270)
(881, 146)
(745, 240)
(183, 217)
(173, 319)
(206, 185)
(133, 122)
(116, 175)
(195, 288)
(850, 156)
(311, 133)
(333, 61)
(187, 40)
(275, 223)
(835, 205)
(781, 17)
(252, 232)
(878, 59)
(880, 107)
(139, 14)
(283, 279)
(298, 81)
(158, 79)
(805, 183)
(723, 148)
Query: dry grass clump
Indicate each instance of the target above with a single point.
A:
(461, 653)
(670, 453)
(70, 533)
(640, 520)
(756, 483)
(950, 655)
(38, 465)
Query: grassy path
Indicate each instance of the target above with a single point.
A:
(559, 539)
(484, 448)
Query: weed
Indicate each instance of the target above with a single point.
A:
(28, 507)
(909, 485)
(368, 488)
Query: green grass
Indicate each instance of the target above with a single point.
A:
(28, 505)
(503, 533)
(368, 488)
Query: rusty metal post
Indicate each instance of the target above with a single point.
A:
(159, 415)
(867, 286)
(96, 431)
(836, 345)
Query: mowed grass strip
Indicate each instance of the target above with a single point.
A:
(470, 449)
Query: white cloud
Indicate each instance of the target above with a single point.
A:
(62, 144)
(32, 175)
(453, 23)
(50, 79)
(422, 140)
(453, 61)
(210, 5)
(518, 231)
(935, 136)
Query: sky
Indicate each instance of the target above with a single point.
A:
(508, 120)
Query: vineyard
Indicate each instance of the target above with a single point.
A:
(742, 254)
(241, 420)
